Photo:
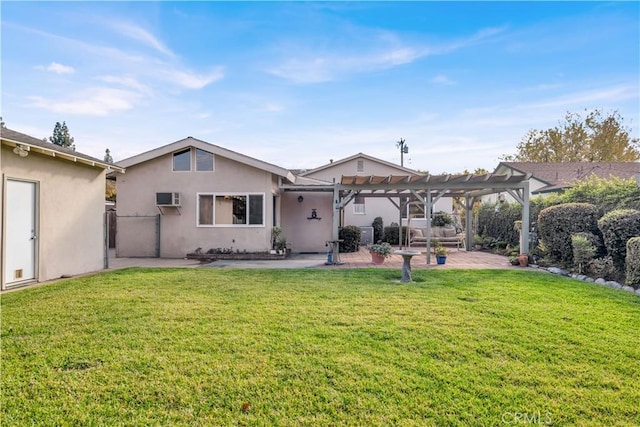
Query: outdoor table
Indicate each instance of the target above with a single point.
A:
(406, 265)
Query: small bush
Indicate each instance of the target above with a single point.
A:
(350, 235)
(633, 262)
(378, 229)
(441, 219)
(583, 251)
(617, 228)
(496, 221)
(391, 235)
(557, 223)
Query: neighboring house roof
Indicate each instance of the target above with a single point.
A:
(215, 149)
(357, 156)
(558, 176)
(29, 143)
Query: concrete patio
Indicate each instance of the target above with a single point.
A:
(360, 259)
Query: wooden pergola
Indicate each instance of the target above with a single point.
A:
(428, 189)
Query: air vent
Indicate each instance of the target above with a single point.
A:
(18, 274)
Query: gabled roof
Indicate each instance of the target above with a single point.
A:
(561, 175)
(14, 138)
(357, 156)
(215, 149)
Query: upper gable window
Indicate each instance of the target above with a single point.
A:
(182, 160)
(360, 166)
(204, 161)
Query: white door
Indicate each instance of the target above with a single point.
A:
(20, 231)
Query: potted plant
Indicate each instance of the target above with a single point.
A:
(441, 253)
(523, 259)
(379, 252)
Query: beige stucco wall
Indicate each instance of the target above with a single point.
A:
(179, 233)
(70, 197)
(307, 235)
(374, 206)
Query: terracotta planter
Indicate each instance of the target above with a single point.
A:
(523, 259)
(376, 258)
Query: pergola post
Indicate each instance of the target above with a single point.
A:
(428, 207)
(524, 245)
(336, 213)
(468, 214)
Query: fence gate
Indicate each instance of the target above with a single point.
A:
(138, 236)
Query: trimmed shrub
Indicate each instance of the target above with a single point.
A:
(556, 224)
(391, 235)
(441, 219)
(378, 229)
(351, 236)
(617, 228)
(633, 262)
(583, 251)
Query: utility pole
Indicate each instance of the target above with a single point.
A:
(404, 149)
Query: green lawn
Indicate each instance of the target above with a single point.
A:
(320, 347)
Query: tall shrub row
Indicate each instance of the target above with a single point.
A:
(350, 236)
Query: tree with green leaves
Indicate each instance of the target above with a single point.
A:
(595, 138)
(107, 156)
(61, 136)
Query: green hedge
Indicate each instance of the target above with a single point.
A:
(497, 222)
(391, 234)
(441, 219)
(556, 224)
(350, 235)
(633, 262)
(617, 228)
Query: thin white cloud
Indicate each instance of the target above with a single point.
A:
(98, 101)
(57, 68)
(140, 34)
(192, 80)
(612, 94)
(126, 81)
(324, 67)
(441, 79)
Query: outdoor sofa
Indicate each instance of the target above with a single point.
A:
(448, 236)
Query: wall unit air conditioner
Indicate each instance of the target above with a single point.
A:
(167, 199)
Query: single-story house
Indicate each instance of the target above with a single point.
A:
(52, 207)
(547, 178)
(191, 194)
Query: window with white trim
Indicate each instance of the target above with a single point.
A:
(233, 209)
(358, 205)
(182, 160)
(204, 161)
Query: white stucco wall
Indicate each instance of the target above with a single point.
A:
(179, 233)
(70, 197)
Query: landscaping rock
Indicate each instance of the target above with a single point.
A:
(638, 291)
(581, 277)
(600, 281)
(556, 270)
(628, 289)
(613, 284)
(590, 279)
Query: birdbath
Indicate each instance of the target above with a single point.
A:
(406, 265)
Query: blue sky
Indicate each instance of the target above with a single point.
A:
(297, 84)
